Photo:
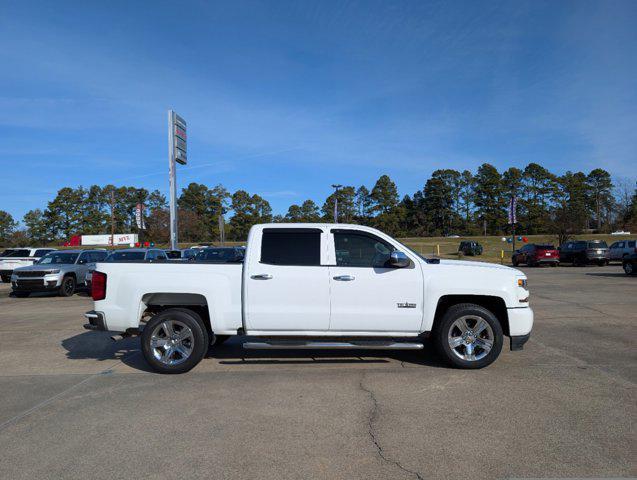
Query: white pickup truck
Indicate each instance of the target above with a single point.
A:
(329, 286)
(20, 257)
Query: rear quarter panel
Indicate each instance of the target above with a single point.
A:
(127, 283)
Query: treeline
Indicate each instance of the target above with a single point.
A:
(451, 202)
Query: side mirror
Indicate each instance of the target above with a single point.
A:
(398, 260)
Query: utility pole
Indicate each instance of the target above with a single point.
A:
(336, 188)
(112, 218)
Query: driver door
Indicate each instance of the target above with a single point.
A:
(366, 294)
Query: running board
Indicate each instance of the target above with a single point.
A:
(366, 345)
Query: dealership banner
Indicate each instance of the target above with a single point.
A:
(513, 204)
(139, 216)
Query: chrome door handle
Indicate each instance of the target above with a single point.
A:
(344, 278)
(262, 276)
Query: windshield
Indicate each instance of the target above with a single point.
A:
(19, 253)
(598, 244)
(545, 247)
(125, 256)
(411, 250)
(58, 258)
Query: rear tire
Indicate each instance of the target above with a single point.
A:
(468, 336)
(6, 278)
(629, 269)
(174, 341)
(515, 262)
(68, 286)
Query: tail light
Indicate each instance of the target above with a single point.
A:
(98, 289)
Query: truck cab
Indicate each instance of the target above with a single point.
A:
(316, 286)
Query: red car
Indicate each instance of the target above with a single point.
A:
(535, 255)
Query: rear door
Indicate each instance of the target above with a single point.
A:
(84, 263)
(617, 250)
(286, 283)
(367, 295)
(566, 252)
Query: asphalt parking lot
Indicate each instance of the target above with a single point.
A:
(76, 405)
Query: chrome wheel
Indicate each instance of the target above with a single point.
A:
(628, 268)
(471, 338)
(172, 342)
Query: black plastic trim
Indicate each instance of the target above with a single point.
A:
(95, 321)
(518, 341)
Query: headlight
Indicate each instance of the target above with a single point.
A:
(51, 272)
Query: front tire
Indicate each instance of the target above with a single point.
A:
(629, 269)
(468, 336)
(68, 286)
(174, 341)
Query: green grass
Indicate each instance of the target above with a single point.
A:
(493, 246)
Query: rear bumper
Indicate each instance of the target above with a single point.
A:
(95, 321)
(597, 257)
(547, 260)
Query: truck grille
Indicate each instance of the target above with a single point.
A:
(30, 283)
(31, 274)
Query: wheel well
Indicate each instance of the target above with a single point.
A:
(70, 274)
(495, 305)
(158, 302)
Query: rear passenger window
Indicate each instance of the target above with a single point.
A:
(631, 244)
(293, 246)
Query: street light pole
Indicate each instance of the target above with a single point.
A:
(336, 188)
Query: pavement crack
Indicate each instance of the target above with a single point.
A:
(371, 420)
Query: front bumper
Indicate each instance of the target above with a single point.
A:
(520, 321)
(518, 341)
(34, 284)
(95, 321)
(5, 275)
